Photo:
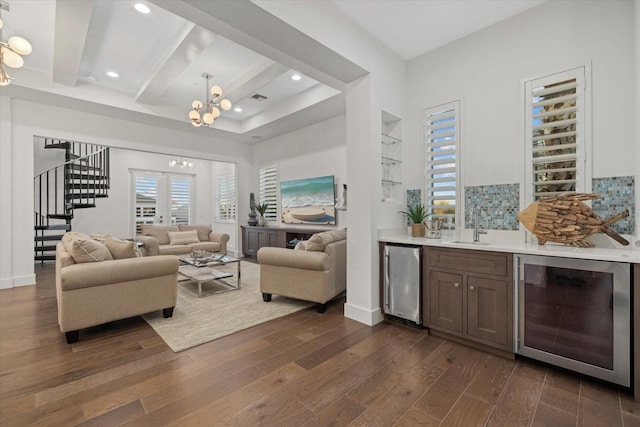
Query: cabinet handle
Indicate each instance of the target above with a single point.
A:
(472, 288)
(457, 285)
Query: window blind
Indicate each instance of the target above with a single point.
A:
(442, 139)
(146, 200)
(555, 134)
(225, 209)
(269, 191)
(180, 200)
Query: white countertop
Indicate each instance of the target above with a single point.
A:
(514, 242)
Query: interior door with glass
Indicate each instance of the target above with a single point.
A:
(161, 198)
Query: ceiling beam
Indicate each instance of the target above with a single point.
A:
(72, 26)
(188, 47)
(253, 27)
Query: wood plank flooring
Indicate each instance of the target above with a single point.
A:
(307, 369)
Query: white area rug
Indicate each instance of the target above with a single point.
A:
(199, 320)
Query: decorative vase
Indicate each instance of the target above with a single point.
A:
(417, 230)
(261, 221)
(252, 214)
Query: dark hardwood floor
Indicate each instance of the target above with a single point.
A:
(307, 369)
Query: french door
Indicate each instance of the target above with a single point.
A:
(161, 198)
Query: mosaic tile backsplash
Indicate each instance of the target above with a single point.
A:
(618, 194)
(497, 206)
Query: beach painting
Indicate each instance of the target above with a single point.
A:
(308, 201)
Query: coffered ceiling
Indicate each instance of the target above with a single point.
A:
(159, 57)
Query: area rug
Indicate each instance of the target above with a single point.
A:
(199, 320)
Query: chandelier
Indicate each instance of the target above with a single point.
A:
(11, 53)
(211, 109)
(180, 163)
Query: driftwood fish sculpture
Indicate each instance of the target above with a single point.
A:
(566, 219)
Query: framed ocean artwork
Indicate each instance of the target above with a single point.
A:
(308, 201)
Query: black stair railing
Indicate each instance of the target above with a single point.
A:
(75, 184)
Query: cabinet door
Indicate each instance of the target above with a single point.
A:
(273, 239)
(445, 300)
(487, 309)
(252, 243)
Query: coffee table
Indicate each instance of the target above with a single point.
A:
(202, 272)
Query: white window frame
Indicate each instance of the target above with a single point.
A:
(429, 164)
(269, 186)
(583, 129)
(229, 216)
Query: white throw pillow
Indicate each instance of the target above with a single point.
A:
(183, 237)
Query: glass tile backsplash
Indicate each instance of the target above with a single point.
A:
(618, 194)
(497, 206)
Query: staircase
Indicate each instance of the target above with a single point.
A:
(75, 184)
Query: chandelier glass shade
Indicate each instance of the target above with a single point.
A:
(11, 53)
(205, 114)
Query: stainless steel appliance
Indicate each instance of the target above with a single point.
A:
(575, 314)
(402, 282)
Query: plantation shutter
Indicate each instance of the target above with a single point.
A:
(442, 141)
(269, 191)
(180, 200)
(225, 197)
(146, 200)
(555, 134)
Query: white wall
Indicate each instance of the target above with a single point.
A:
(316, 150)
(19, 125)
(486, 70)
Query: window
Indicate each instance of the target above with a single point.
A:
(555, 135)
(225, 208)
(160, 196)
(442, 147)
(269, 191)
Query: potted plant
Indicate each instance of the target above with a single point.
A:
(262, 209)
(417, 214)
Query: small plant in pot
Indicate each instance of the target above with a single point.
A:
(417, 214)
(262, 209)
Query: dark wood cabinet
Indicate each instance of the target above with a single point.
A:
(469, 295)
(255, 237)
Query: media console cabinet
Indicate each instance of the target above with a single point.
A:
(256, 237)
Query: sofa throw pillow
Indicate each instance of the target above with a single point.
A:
(318, 241)
(88, 250)
(159, 232)
(121, 249)
(203, 231)
(183, 237)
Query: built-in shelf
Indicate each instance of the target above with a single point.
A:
(391, 158)
(390, 161)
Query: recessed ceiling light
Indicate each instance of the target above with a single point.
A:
(238, 110)
(142, 8)
(112, 74)
(296, 77)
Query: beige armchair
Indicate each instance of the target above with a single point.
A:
(93, 288)
(315, 270)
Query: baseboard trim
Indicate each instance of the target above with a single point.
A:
(363, 315)
(6, 283)
(29, 279)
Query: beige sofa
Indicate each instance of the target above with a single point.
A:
(183, 239)
(316, 270)
(99, 289)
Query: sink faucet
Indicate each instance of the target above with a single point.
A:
(476, 230)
